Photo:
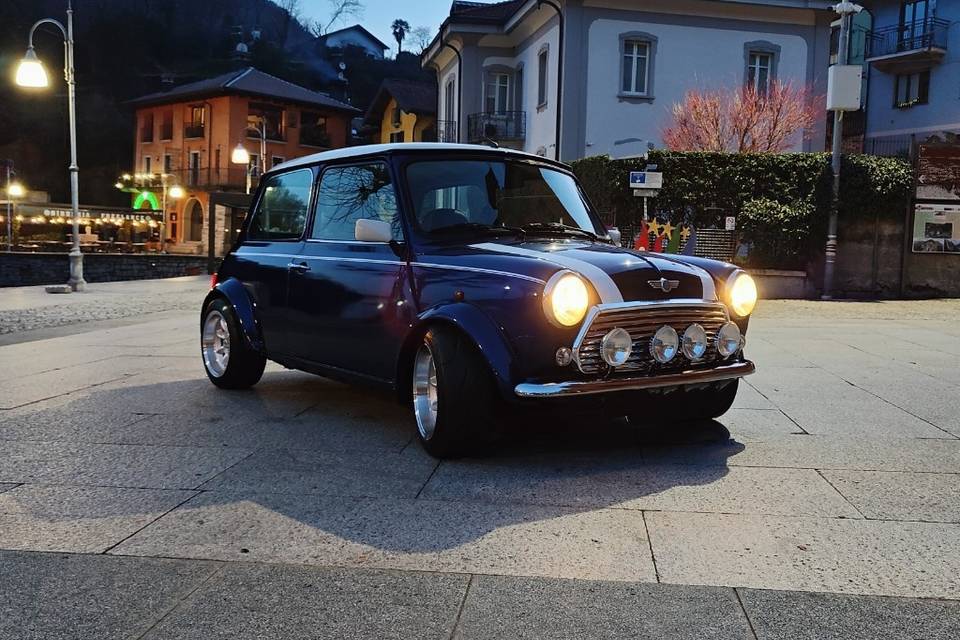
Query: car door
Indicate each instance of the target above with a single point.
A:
(349, 299)
(273, 238)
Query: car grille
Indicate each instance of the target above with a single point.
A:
(642, 321)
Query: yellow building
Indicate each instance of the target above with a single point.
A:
(404, 111)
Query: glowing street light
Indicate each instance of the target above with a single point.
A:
(240, 155)
(16, 190)
(30, 72)
(176, 192)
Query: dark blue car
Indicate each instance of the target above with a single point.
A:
(471, 281)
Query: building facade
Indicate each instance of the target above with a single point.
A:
(186, 137)
(355, 36)
(403, 111)
(622, 64)
(912, 60)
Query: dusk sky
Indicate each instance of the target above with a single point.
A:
(379, 14)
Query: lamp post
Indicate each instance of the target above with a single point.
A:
(846, 10)
(240, 155)
(31, 73)
(14, 190)
(555, 7)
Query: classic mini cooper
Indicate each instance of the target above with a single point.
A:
(474, 282)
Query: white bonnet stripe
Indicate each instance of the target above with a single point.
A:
(604, 285)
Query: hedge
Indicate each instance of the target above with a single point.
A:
(782, 200)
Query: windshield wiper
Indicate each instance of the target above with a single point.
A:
(483, 228)
(559, 227)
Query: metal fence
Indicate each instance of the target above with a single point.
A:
(505, 125)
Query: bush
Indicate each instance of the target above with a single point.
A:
(785, 196)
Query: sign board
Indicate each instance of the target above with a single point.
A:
(646, 193)
(936, 228)
(843, 87)
(938, 172)
(730, 223)
(646, 180)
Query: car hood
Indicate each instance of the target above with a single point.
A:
(616, 274)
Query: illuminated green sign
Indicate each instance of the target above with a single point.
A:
(146, 196)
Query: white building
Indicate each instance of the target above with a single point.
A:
(355, 36)
(624, 63)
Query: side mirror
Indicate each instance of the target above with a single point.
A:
(614, 234)
(373, 231)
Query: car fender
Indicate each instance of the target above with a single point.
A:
(233, 291)
(482, 331)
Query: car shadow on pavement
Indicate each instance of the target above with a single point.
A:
(299, 467)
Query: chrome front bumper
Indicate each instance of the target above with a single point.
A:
(588, 387)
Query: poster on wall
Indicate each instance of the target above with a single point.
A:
(936, 228)
(938, 172)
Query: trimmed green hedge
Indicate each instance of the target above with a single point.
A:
(782, 200)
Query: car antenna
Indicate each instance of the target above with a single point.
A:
(491, 142)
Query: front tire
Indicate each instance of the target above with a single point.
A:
(454, 398)
(228, 361)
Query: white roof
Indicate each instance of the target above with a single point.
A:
(370, 149)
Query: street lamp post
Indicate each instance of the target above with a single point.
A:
(240, 155)
(846, 10)
(14, 190)
(31, 73)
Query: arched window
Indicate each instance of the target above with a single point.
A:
(193, 217)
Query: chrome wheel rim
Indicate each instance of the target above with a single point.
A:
(425, 396)
(215, 344)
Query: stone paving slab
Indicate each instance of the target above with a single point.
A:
(749, 398)
(931, 497)
(113, 465)
(7, 486)
(262, 601)
(758, 424)
(819, 452)
(499, 607)
(368, 475)
(840, 408)
(63, 423)
(403, 534)
(629, 483)
(49, 596)
(810, 554)
(786, 615)
(78, 519)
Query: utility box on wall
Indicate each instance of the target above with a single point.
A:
(843, 87)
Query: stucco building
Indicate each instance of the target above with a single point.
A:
(186, 136)
(622, 64)
(405, 111)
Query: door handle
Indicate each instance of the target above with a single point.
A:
(299, 267)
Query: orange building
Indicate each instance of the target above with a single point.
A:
(185, 137)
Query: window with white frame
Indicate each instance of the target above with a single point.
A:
(759, 71)
(448, 101)
(636, 67)
(498, 92)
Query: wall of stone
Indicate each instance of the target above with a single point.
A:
(22, 269)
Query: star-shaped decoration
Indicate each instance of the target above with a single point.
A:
(656, 227)
(684, 233)
(667, 230)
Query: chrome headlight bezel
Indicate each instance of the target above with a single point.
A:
(737, 308)
(550, 288)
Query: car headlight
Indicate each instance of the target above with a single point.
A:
(566, 299)
(742, 294)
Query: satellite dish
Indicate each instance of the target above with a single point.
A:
(342, 66)
(241, 48)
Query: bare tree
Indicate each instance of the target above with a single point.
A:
(400, 28)
(340, 10)
(745, 120)
(291, 14)
(421, 37)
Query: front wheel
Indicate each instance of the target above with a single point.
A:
(228, 361)
(454, 398)
(688, 405)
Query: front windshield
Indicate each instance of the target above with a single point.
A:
(478, 196)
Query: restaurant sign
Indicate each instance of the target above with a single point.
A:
(116, 215)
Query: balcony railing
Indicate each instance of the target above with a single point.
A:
(908, 38)
(446, 130)
(206, 178)
(193, 131)
(501, 126)
(313, 137)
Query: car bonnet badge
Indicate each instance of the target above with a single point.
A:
(664, 285)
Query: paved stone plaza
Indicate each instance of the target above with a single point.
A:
(137, 500)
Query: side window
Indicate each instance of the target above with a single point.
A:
(282, 211)
(348, 194)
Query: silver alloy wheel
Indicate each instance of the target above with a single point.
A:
(425, 392)
(215, 344)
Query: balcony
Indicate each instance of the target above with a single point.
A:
(908, 47)
(193, 131)
(314, 137)
(505, 126)
(208, 179)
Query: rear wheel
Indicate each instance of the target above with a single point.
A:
(689, 405)
(228, 361)
(454, 399)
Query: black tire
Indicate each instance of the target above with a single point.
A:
(467, 400)
(244, 367)
(692, 406)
